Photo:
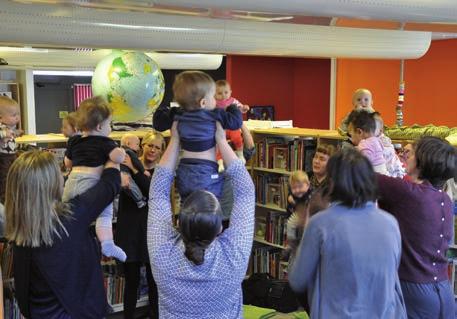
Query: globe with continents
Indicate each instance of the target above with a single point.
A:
(131, 82)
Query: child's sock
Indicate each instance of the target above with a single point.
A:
(109, 249)
(220, 164)
(105, 236)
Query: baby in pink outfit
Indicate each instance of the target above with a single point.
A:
(224, 99)
(394, 166)
(362, 128)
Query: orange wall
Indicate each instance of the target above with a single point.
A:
(430, 92)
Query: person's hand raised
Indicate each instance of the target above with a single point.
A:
(220, 133)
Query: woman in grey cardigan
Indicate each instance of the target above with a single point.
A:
(349, 255)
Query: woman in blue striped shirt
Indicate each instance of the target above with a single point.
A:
(199, 272)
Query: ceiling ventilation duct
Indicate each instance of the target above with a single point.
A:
(444, 11)
(72, 26)
(67, 59)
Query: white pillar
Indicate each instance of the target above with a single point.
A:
(25, 78)
(332, 113)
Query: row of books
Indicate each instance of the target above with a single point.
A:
(11, 309)
(272, 228)
(290, 155)
(114, 282)
(268, 260)
(271, 189)
(114, 286)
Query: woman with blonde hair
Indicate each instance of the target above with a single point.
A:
(57, 268)
(131, 227)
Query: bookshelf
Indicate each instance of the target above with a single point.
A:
(143, 301)
(272, 207)
(263, 241)
(278, 153)
(273, 171)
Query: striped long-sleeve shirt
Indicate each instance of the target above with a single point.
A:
(213, 289)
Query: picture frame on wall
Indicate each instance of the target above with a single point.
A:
(261, 112)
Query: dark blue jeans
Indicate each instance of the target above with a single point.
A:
(427, 301)
(198, 174)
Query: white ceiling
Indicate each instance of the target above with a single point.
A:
(260, 27)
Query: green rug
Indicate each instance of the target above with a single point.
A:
(253, 312)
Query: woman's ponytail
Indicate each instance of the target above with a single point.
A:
(195, 252)
(200, 221)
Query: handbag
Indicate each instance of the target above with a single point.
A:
(262, 290)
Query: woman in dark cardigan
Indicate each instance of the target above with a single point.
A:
(131, 228)
(424, 214)
(57, 271)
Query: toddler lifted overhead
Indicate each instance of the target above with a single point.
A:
(198, 170)
(86, 156)
(362, 99)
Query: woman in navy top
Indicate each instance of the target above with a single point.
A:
(57, 269)
(424, 213)
(349, 255)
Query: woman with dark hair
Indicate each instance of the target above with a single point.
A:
(199, 272)
(339, 261)
(424, 213)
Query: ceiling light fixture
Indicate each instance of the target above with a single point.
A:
(63, 73)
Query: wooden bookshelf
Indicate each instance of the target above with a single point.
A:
(272, 170)
(59, 138)
(279, 152)
(263, 241)
(271, 206)
(144, 301)
(299, 132)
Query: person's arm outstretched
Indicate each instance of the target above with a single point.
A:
(160, 226)
(241, 230)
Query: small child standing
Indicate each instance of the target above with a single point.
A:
(131, 144)
(198, 169)
(362, 99)
(393, 164)
(362, 128)
(9, 118)
(299, 190)
(86, 155)
(223, 100)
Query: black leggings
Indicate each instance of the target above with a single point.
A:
(132, 281)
